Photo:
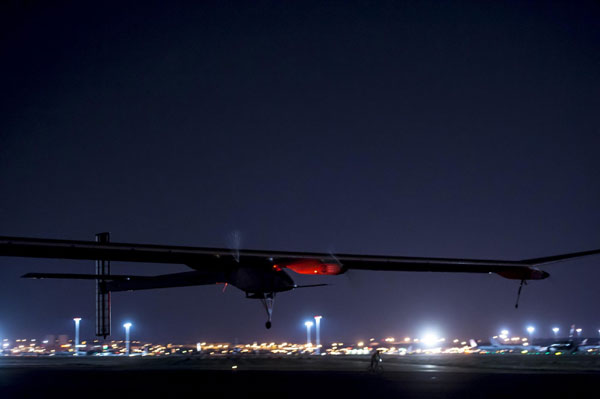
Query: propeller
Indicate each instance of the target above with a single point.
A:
(234, 243)
(310, 285)
(335, 259)
(350, 275)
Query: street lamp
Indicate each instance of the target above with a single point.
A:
(429, 339)
(555, 331)
(127, 343)
(77, 320)
(318, 332)
(308, 325)
(530, 330)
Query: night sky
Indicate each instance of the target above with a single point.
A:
(445, 129)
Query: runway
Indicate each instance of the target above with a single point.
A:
(416, 377)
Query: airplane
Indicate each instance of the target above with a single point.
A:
(586, 346)
(573, 345)
(261, 274)
(496, 346)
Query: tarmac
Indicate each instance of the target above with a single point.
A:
(427, 376)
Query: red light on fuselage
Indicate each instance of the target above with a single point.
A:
(313, 266)
(524, 273)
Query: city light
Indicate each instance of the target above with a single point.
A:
(308, 325)
(127, 341)
(530, 329)
(431, 343)
(77, 320)
(318, 333)
(429, 339)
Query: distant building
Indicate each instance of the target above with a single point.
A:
(50, 341)
(63, 339)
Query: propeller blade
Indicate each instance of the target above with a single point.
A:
(311, 285)
(235, 241)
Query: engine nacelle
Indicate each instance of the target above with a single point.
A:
(311, 266)
(525, 273)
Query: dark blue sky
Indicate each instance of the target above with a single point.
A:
(452, 129)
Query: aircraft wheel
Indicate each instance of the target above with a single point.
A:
(268, 324)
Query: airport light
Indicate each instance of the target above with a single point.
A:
(318, 332)
(579, 330)
(429, 339)
(530, 330)
(555, 330)
(308, 325)
(77, 320)
(504, 334)
(127, 342)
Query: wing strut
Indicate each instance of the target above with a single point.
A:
(523, 282)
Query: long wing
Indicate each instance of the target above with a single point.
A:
(120, 282)
(201, 258)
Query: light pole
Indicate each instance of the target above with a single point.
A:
(555, 331)
(308, 325)
(77, 320)
(127, 327)
(318, 332)
(530, 330)
(579, 330)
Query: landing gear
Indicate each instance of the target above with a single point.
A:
(523, 282)
(268, 300)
